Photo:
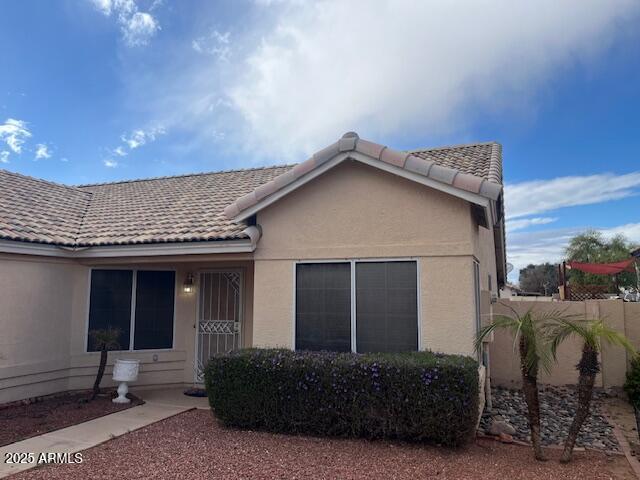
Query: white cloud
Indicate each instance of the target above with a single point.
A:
(14, 133)
(103, 5)
(42, 151)
(408, 67)
(521, 224)
(120, 151)
(109, 163)
(216, 44)
(538, 196)
(140, 137)
(629, 230)
(137, 27)
(4, 156)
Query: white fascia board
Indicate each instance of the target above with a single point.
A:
(112, 251)
(373, 162)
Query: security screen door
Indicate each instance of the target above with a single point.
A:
(219, 316)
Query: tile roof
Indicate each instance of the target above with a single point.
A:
(192, 207)
(475, 168)
(480, 159)
(34, 210)
(169, 209)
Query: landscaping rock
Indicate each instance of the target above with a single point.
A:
(500, 426)
(505, 438)
(557, 409)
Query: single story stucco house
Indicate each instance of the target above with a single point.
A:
(361, 247)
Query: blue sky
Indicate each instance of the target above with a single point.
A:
(102, 90)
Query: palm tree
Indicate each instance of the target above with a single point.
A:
(529, 335)
(592, 333)
(104, 339)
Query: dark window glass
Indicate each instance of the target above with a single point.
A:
(110, 304)
(386, 307)
(154, 310)
(323, 306)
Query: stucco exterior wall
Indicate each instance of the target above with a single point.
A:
(44, 314)
(355, 211)
(36, 309)
(623, 317)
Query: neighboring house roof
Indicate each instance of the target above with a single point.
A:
(475, 169)
(191, 208)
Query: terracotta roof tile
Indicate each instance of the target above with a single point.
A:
(199, 207)
(478, 165)
(483, 160)
(170, 209)
(34, 210)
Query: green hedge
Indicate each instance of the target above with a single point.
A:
(632, 383)
(412, 396)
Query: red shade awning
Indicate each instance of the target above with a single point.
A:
(604, 268)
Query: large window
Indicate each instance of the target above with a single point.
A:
(110, 303)
(386, 307)
(323, 306)
(138, 303)
(376, 312)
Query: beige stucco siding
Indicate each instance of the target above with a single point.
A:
(447, 304)
(623, 317)
(37, 299)
(273, 304)
(355, 211)
(44, 313)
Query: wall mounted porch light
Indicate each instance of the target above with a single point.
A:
(187, 286)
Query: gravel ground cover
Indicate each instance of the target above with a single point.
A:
(557, 408)
(20, 421)
(193, 445)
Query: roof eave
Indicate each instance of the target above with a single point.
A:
(247, 245)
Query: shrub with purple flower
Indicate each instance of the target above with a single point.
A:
(418, 396)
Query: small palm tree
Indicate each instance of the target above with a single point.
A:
(529, 335)
(592, 333)
(104, 339)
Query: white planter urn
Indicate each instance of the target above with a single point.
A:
(124, 371)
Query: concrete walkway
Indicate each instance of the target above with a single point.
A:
(159, 405)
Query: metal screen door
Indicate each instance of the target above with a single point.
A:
(219, 316)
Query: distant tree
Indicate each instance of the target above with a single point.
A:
(593, 247)
(542, 278)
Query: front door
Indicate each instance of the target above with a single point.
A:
(219, 316)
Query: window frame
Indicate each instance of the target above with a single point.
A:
(132, 321)
(352, 271)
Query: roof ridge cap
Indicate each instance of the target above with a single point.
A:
(81, 187)
(495, 164)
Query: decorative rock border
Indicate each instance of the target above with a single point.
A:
(557, 408)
